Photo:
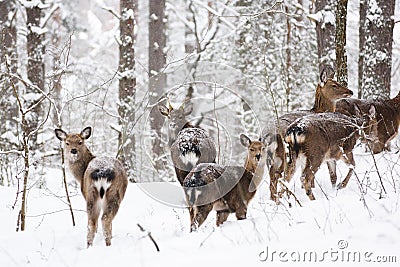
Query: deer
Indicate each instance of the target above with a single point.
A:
(388, 117)
(327, 93)
(189, 144)
(226, 190)
(316, 138)
(103, 181)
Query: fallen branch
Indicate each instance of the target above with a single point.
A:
(150, 236)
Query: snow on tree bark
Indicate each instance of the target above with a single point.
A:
(340, 40)
(8, 109)
(377, 50)
(35, 68)
(158, 81)
(127, 86)
(361, 32)
(325, 33)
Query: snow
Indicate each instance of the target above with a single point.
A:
(358, 220)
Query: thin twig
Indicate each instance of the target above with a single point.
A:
(289, 192)
(150, 236)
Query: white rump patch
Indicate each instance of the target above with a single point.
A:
(190, 157)
(102, 183)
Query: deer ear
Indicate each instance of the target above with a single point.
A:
(372, 111)
(323, 77)
(188, 108)
(244, 140)
(86, 133)
(60, 134)
(163, 110)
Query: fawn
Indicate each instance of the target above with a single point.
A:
(225, 189)
(102, 180)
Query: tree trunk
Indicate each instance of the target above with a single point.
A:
(8, 50)
(35, 69)
(361, 31)
(326, 33)
(127, 86)
(341, 57)
(158, 81)
(377, 62)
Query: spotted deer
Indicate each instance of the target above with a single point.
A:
(328, 91)
(316, 138)
(226, 189)
(387, 116)
(189, 145)
(102, 180)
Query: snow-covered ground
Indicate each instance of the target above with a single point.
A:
(337, 226)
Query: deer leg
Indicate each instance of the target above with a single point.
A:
(201, 213)
(222, 216)
(308, 177)
(93, 212)
(110, 210)
(350, 161)
(273, 184)
(241, 212)
(332, 171)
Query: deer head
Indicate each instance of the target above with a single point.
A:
(75, 147)
(176, 118)
(328, 92)
(255, 152)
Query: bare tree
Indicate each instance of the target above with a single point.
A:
(158, 79)
(340, 40)
(325, 33)
(35, 68)
(127, 85)
(377, 52)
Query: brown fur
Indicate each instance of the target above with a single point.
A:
(388, 117)
(327, 93)
(90, 172)
(185, 140)
(225, 189)
(316, 138)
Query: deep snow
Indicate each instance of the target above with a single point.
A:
(367, 225)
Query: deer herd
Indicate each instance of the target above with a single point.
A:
(327, 132)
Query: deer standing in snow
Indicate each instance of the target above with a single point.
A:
(327, 93)
(225, 189)
(316, 138)
(102, 180)
(387, 116)
(189, 145)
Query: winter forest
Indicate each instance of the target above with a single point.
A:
(295, 101)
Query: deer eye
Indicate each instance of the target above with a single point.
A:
(67, 144)
(252, 149)
(80, 143)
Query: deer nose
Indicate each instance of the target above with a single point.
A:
(258, 156)
(74, 151)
